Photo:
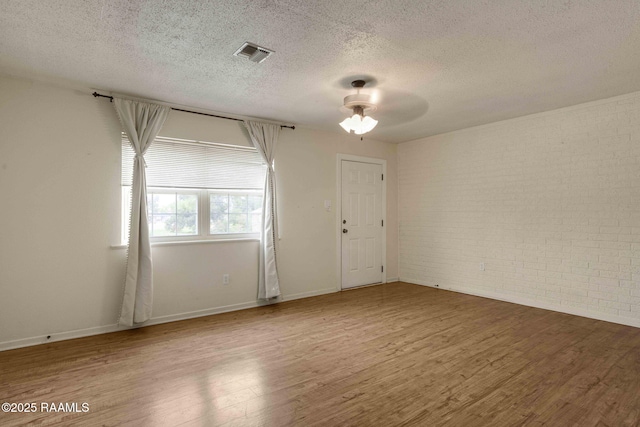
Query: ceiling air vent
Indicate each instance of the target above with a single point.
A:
(254, 52)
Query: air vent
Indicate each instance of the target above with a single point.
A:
(254, 52)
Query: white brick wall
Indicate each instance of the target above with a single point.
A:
(550, 203)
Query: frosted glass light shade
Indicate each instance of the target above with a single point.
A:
(358, 124)
(346, 124)
(368, 124)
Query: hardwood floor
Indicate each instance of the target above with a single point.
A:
(395, 354)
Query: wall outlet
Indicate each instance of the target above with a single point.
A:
(482, 266)
(225, 279)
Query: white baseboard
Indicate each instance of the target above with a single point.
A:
(200, 313)
(79, 333)
(392, 279)
(59, 336)
(530, 303)
(309, 294)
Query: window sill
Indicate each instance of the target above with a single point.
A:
(194, 242)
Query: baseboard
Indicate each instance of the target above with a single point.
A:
(60, 336)
(200, 313)
(80, 333)
(392, 279)
(524, 301)
(309, 294)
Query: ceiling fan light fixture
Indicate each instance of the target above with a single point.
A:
(346, 124)
(358, 122)
(368, 123)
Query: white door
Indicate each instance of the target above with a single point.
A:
(362, 225)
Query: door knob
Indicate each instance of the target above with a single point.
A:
(344, 230)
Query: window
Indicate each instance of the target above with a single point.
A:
(197, 190)
(235, 212)
(172, 213)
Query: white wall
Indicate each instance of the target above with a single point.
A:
(60, 189)
(550, 203)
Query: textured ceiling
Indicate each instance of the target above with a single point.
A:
(435, 66)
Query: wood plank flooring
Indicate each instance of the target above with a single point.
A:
(388, 355)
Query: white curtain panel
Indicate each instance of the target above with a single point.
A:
(141, 122)
(265, 138)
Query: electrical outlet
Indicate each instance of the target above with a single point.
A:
(225, 279)
(482, 266)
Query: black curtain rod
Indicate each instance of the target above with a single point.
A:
(96, 94)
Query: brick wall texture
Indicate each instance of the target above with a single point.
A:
(550, 203)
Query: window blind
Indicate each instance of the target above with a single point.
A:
(191, 164)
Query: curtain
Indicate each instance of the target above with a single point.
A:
(141, 122)
(264, 137)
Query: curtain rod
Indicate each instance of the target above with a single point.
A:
(96, 94)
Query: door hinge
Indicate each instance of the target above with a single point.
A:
(383, 177)
(383, 222)
(382, 268)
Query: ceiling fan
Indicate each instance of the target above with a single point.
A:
(359, 103)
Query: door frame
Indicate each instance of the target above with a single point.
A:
(383, 240)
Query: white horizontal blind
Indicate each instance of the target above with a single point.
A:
(190, 164)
